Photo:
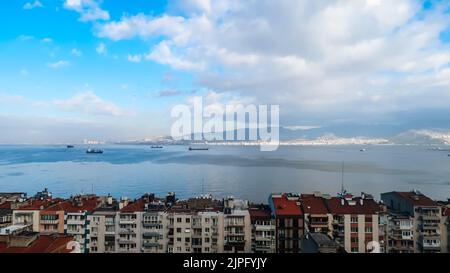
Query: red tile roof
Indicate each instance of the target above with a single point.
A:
(138, 205)
(88, 204)
(39, 204)
(260, 212)
(369, 206)
(5, 206)
(285, 207)
(313, 204)
(43, 244)
(417, 199)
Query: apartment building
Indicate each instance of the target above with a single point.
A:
(196, 226)
(29, 214)
(237, 226)
(318, 218)
(263, 229)
(427, 218)
(70, 217)
(355, 221)
(288, 214)
(128, 231)
(154, 226)
(102, 227)
(400, 233)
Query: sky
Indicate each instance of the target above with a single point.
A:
(112, 70)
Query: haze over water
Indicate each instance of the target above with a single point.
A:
(243, 172)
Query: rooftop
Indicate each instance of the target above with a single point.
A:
(43, 244)
(286, 205)
(313, 204)
(417, 198)
(76, 205)
(355, 205)
(12, 229)
(35, 204)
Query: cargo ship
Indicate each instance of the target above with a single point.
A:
(198, 148)
(94, 151)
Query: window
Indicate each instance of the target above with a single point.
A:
(206, 240)
(354, 229)
(187, 240)
(354, 239)
(354, 219)
(178, 230)
(178, 239)
(179, 220)
(368, 229)
(188, 220)
(354, 250)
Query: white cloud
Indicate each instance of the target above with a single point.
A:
(90, 103)
(89, 10)
(24, 38)
(101, 49)
(163, 54)
(32, 5)
(47, 40)
(341, 57)
(135, 58)
(76, 52)
(59, 64)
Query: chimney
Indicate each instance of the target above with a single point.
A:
(361, 201)
(342, 201)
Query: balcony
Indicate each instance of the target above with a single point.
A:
(150, 225)
(430, 217)
(126, 232)
(78, 231)
(76, 222)
(151, 235)
(127, 221)
(150, 244)
(431, 245)
(49, 222)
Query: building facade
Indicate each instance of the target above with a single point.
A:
(426, 215)
(288, 214)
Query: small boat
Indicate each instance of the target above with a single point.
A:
(198, 148)
(94, 151)
(157, 147)
(363, 150)
(70, 146)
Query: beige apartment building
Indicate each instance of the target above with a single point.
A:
(426, 215)
(102, 231)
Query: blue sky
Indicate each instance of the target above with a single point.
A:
(112, 70)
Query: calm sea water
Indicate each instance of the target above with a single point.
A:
(243, 172)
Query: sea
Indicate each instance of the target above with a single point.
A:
(240, 171)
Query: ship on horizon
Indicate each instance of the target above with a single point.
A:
(94, 151)
(198, 148)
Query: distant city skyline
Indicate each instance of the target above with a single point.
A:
(112, 70)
